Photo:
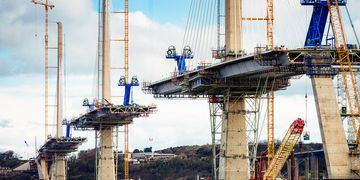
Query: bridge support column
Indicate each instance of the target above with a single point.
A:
(288, 166)
(44, 169)
(314, 167)
(234, 156)
(58, 169)
(106, 169)
(332, 132)
(307, 168)
(296, 171)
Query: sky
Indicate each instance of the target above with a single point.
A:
(154, 25)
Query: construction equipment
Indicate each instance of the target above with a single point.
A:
(345, 65)
(180, 59)
(314, 38)
(47, 6)
(317, 25)
(127, 94)
(283, 152)
(306, 135)
(270, 95)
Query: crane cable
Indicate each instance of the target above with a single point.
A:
(306, 109)
(352, 26)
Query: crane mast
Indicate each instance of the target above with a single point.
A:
(47, 5)
(270, 95)
(345, 64)
(126, 74)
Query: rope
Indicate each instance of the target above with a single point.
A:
(352, 26)
(188, 24)
(199, 31)
(306, 105)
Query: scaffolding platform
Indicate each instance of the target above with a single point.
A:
(110, 116)
(61, 145)
(271, 68)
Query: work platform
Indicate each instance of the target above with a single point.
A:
(63, 145)
(249, 73)
(111, 116)
(53, 151)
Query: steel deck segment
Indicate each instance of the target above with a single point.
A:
(61, 145)
(111, 116)
(245, 74)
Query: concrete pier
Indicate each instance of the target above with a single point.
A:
(332, 133)
(234, 160)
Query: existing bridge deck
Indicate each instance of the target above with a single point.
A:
(269, 70)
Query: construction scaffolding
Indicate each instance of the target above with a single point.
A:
(111, 116)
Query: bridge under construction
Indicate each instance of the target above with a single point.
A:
(236, 85)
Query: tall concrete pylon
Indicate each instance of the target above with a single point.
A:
(58, 168)
(234, 153)
(338, 161)
(106, 167)
(233, 26)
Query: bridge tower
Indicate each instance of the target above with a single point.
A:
(336, 147)
(106, 168)
(234, 161)
(104, 117)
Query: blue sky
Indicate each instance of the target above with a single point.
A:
(4, 52)
(162, 11)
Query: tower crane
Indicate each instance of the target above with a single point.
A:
(314, 38)
(318, 20)
(292, 136)
(345, 65)
(270, 95)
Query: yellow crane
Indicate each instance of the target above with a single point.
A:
(345, 64)
(292, 136)
(47, 6)
(270, 95)
(126, 68)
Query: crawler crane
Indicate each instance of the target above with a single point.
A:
(283, 152)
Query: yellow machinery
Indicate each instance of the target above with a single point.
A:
(345, 64)
(283, 152)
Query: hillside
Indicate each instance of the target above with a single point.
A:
(189, 162)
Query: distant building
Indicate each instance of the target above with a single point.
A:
(141, 157)
(5, 170)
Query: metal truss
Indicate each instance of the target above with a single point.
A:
(216, 120)
(218, 106)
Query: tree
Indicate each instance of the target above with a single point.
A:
(148, 149)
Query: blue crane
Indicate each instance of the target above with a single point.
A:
(318, 20)
(180, 59)
(127, 93)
